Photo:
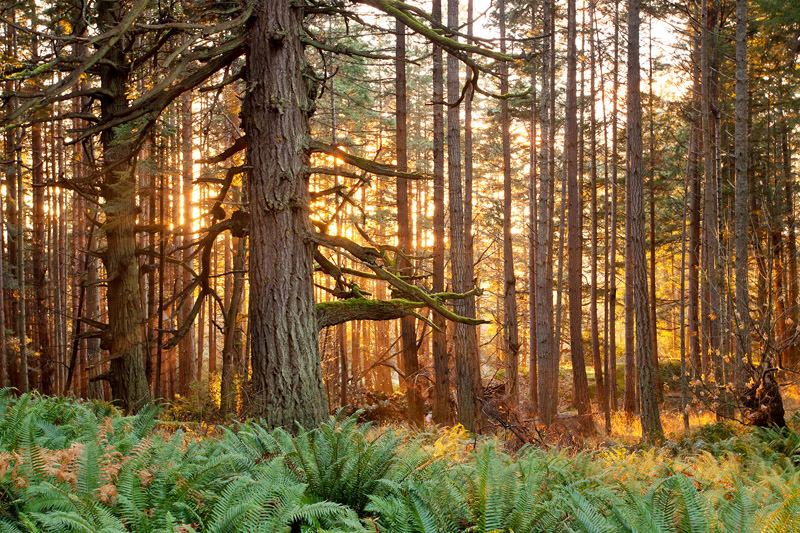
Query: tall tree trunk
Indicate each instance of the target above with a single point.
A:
(793, 353)
(47, 368)
(685, 375)
(470, 304)
(287, 377)
(629, 402)
(3, 350)
(10, 219)
(545, 343)
(441, 400)
(651, 421)
(407, 323)
(742, 203)
(187, 358)
(227, 393)
(652, 171)
(695, 137)
(511, 326)
(22, 324)
(612, 303)
(533, 370)
(579, 380)
(602, 402)
(466, 390)
(711, 200)
(125, 333)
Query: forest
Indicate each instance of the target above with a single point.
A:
(375, 265)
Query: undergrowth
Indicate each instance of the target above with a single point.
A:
(67, 466)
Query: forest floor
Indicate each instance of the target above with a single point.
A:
(81, 466)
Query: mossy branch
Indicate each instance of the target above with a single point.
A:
(341, 311)
(370, 256)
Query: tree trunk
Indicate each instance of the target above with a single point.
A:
(741, 205)
(574, 273)
(441, 397)
(125, 335)
(602, 402)
(187, 358)
(466, 391)
(227, 403)
(652, 172)
(511, 326)
(533, 370)
(714, 273)
(470, 305)
(3, 350)
(612, 303)
(651, 421)
(545, 343)
(407, 323)
(47, 368)
(695, 136)
(287, 377)
(792, 352)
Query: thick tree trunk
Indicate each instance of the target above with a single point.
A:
(511, 325)
(651, 421)
(125, 335)
(287, 377)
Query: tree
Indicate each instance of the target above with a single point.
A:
(579, 380)
(441, 400)
(287, 377)
(511, 326)
(545, 343)
(407, 323)
(467, 382)
(651, 421)
(741, 200)
(124, 333)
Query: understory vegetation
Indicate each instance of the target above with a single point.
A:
(68, 466)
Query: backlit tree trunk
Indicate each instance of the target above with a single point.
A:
(187, 358)
(579, 380)
(467, 388)
(651, 421)
(511, 326)
(441, 397)
(545, 343)
(407, 323)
